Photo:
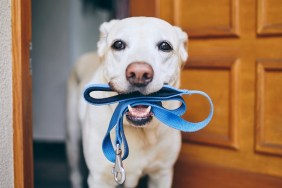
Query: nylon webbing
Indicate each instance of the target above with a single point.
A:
(169, 117)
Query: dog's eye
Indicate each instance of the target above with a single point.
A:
(165, 46)
(118, 45)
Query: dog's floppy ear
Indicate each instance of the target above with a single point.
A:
(183, 38)
(104, 30)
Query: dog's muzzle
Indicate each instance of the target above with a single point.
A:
(139, 75)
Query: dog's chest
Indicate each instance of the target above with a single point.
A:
(152, 149)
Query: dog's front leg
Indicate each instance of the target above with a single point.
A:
(161, 178)
(132, 179)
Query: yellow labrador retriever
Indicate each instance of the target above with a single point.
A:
(134, 54)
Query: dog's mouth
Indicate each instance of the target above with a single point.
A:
(139, 115)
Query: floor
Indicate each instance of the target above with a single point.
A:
(50, 166)
(51, 171)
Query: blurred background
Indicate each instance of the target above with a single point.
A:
(235, 55)
(61, 32)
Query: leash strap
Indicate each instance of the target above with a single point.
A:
(169, 117)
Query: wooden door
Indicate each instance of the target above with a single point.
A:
(235, 55)
(22, 91)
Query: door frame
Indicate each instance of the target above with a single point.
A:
(22, 94)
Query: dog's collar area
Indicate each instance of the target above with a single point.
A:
(168, 117)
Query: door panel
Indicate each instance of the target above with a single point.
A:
(269, 17)
(215, 18)
(235, 56)
(268, 123)
(219, 78)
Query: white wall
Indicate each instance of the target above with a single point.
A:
(6, 129)
(61, 32)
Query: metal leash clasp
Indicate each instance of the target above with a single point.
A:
(118, 170)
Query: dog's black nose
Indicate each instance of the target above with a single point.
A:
(139, 74)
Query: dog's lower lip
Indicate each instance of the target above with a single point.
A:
(139, 115)
(139, 121)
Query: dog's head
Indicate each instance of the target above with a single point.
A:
(141, 54)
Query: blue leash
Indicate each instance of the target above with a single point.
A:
(169, 117)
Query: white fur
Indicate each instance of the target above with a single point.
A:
(154, 148)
